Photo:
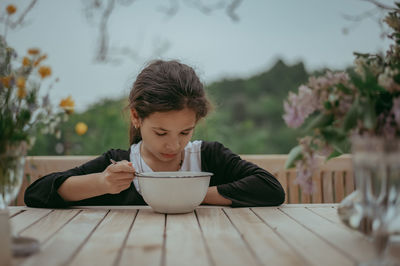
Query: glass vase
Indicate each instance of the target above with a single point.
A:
(375, 204)
(12, 162)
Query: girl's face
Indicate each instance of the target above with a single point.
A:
(165, 134)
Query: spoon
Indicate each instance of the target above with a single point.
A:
(114, 162)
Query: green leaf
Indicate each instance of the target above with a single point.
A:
(334, 154)
(350, 120)
(337, 148)
(319, 121)
(343, 88)
(369, 114)
(333, 135)
(294, 155)
(327, 105)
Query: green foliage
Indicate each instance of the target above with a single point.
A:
(108, 125)
(247, 118)
(294, 155)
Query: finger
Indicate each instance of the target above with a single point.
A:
(125, 183)
(122, 176)
(122, 166)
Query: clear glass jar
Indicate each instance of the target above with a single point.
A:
(375, 204)
(12, 162)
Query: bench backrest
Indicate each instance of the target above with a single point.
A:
(333, 179)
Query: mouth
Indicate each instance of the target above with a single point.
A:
(169, 155)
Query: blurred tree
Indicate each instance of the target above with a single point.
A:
(98, 13)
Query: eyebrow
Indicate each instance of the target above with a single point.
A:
(162, 129)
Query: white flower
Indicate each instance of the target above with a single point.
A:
(386, 79)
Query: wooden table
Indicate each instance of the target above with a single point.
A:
(300, 234)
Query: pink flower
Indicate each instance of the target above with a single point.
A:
(387, 126)
(396, 110)
(345, 104)
(306, 166)
(305, 171)
(389, 131)
(330, 79)
(299, 107)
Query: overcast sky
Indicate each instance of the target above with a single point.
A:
(308, 30)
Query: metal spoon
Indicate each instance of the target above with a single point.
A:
(114, 162)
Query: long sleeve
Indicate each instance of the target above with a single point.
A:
(43, 192)
(241, 181)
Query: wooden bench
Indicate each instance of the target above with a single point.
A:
(333, 179)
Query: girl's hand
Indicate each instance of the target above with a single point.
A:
(117, 177)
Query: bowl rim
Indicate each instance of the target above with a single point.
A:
(174, 174)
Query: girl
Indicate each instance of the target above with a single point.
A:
(166, 102)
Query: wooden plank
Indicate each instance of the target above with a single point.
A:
(316, 197)
(12, 211)
(107, 240)
(269, 248)
(281, 174)
(49, 224)
(354, 246)
(328, 213)
(349, 182)
(223, 241)
(144, 245)
(327, 187)
(331, 215)
(26, 218)
(113, 207)
(318, 252)
(312, 205)
(38, 166)
(293, 188)
(184, 243)
(339, 185)
(59, 249)
(305, 197)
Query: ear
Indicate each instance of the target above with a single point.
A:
(135, 119)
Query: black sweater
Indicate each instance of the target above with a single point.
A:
(241, 181)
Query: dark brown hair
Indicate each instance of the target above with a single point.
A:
(165, 86)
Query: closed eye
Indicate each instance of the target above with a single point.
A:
(184, 133)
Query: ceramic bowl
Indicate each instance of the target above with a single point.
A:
(173, 192)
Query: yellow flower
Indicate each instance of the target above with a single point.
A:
(81, 128)
(67, 104)
(21, 93)
(44, 71)
(40, 59)
(11, 9)
(33, 51)
(6, 81)
(21, 83)
(25, 61)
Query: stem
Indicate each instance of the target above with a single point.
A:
(381, 241)
(6, 27)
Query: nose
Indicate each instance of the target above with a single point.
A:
(173, 145)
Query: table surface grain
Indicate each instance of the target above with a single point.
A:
(293, 234)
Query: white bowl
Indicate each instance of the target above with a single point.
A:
(173, 192)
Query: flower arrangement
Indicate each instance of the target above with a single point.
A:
(23, 109)
(332, 108)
